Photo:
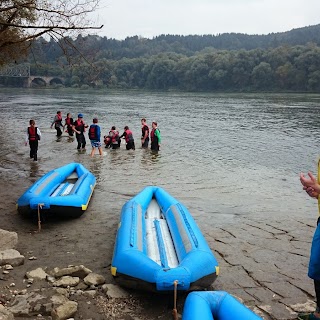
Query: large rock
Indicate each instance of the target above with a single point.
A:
(67, 281)
(38, 274)
(20, 306)
(58, 300)
(30, 304)
(11, 256)
(94, 279)
(5, 314)
(65, 311)
(8, 240)
(113, 291)
(75, 271)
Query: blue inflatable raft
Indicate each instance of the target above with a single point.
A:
(215, 305)
(65, 191)
(158, 242)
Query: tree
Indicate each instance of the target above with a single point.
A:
(22, 21)
(262, 76)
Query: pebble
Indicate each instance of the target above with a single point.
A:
(33, 258)
(8, 267)
(5, 272)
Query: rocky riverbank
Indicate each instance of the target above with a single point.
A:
(262, 264)
(59, 293)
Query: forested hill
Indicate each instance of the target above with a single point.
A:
(288, 61)
(136, 47)
(236, 41)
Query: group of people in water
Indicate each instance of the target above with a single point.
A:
(78, 127)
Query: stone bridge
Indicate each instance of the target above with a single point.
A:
(23, 71)
(47, 80)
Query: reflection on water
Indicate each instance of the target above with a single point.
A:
(34, 169)
(96, 165)
(223, 155)
(149, 157)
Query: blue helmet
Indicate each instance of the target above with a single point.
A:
(80, 115)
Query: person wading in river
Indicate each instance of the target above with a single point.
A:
(33, 136)
(127, 134)
(94, 136)
(79, 127)
(57, 122)
(69, 123)
(144, 133)
(155, 137)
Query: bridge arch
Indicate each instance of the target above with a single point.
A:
(44, 81)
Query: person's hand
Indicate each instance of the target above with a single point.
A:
(310, 185)
(309, 182)
(311, 192)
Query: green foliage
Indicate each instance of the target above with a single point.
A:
(227, 62)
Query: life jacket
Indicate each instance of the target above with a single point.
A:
(114, 134)
(79, 125)
(93, 132)
(32, 132)
(68, 121)
(153, 136)
(58, 121)
(129, 136)
(144, 129)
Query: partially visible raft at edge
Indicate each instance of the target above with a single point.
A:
(215, 305)
(65, 191)
(158, 242)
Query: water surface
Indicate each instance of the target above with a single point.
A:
(225, 156)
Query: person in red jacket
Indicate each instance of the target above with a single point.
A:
(127, 134)
(79, 127)
(69, 123)
(57, 122)
(33, 136)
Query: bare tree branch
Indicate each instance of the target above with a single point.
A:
(22, 21)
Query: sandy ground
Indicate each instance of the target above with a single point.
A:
(262, 263)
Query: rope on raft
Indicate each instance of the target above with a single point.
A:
(39, 216)
(174, 311)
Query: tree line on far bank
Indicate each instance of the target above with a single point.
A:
(191, 66)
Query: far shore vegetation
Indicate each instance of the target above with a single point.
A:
(280, 62)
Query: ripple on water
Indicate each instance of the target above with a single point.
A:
(224, 156)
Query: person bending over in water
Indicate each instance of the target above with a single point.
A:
(312, 187)
(33, 136)
(115, 138)
(127, 134)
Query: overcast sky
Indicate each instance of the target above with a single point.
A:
(149, 18)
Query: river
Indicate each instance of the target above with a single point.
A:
(225, 156)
